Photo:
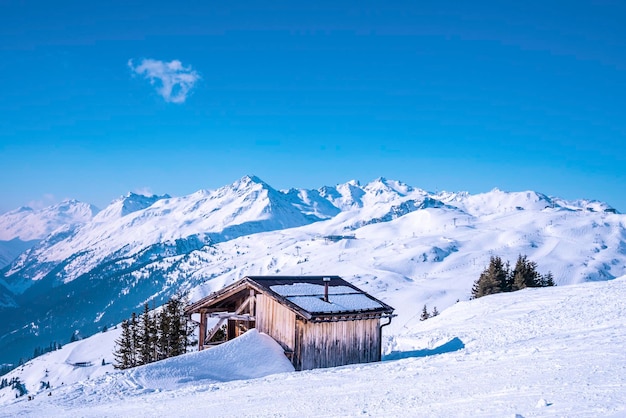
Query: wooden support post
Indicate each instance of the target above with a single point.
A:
(202, 333)
(252, 299)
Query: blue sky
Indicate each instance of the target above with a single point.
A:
(441, 95)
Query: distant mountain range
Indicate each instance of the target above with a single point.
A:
(71, 267)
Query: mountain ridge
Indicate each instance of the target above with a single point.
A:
(402, 240)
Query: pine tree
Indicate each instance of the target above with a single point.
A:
(524, 274)
(494, 279)
(548, 280)
(179, 333)
(425, 314)
(435, 312)
(134, 337)
(154, 336)
(151, 337)
(174, 336)
(163, 340)
(146, 349)
(123, 351)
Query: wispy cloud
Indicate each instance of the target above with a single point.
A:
(173, 81)
(144, 191)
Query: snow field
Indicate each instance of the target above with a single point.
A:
(533, 353)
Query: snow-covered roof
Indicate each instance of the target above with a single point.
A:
(310, 297)
(304, 294)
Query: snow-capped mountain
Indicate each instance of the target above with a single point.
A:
(126, 205)
(397, 242)
(22, 228)
(33, 224)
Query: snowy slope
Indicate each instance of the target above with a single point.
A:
(533, 353)
(30, 224)
(126, 205)
(22, 228)
(10, 250)
(404, 245)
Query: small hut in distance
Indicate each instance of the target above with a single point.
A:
(320, 321)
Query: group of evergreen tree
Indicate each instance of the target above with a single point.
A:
(39, 351)
(425, 314)
(153, 336)
(6, 368)
(15, 384)
(498, 277)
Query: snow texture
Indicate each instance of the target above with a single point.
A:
(533, 353)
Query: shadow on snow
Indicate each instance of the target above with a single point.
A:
(454, 344)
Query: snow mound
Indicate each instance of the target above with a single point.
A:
(249, 356)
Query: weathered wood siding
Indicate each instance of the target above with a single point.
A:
(330, 344)
(276, 320)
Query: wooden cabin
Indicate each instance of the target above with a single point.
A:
(320, 321)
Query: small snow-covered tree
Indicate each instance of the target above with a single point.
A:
(425, 315)
(435, 312)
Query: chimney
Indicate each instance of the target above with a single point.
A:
(326, 280)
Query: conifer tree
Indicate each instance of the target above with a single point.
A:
(524, 274)
(425, 314)
(494, 279)
(134, 336)
(123, 352)
(145, 339)
(164, 326)
(152, 337)
(435, 312)
(179, 333)
(548, 280)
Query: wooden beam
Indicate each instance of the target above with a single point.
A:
(202, 333)
(235, 316)
(252, 300)
(215, 329)
(249, 302)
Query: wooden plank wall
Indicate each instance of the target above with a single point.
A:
(276, 321)
(330, 344)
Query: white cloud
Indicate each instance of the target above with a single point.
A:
(173, 81)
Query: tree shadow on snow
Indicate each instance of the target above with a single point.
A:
(454, 344)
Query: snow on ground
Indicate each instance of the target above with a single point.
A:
(533, 353)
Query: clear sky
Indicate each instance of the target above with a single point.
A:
(102, 98)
